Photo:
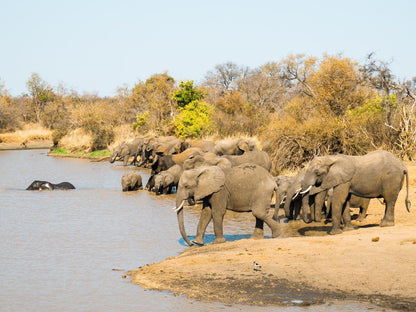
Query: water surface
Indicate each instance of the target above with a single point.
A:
(67, 250)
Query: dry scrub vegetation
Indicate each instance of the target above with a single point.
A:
(298, 107)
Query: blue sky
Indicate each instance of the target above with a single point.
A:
(98, 46)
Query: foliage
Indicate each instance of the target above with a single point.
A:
(99, 153)
(41, 94)
(154, 96)
(187, 93)
(141, 120)
(194, 120)
(60, 151)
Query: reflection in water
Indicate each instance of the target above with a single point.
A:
(67, 250)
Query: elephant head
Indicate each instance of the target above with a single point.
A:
(163, 180)
(245, 145)
(327, 172)
(322, 174)
(197, 184)
(39, 186)
(121, 152)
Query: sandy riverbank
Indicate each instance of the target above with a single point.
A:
(371, 264)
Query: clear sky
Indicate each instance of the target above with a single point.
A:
(98, 46)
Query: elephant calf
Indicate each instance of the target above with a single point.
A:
(131, 181)
(45, 185)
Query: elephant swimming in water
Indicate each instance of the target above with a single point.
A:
(45, 185)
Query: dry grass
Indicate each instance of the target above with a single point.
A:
(29, 133)
(122, 133)
(76, 140)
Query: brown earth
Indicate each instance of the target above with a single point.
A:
(371, 263)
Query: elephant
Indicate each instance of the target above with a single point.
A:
(206, 159)
(243, 188)
(44, 185)
(131, 181)
(353, 202)
(234, 146)
(166, 180)
(378, 174)
(257, 157)
(162, 163)
(283, 184)
(206, 146)
(126, 150)
(294, 200)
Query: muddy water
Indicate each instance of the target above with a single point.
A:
(68, 250)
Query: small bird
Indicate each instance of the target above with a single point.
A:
(257, 267)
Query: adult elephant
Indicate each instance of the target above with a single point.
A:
(234, 146)
(162, 163)
(243, 188)
(378, 174)
(206, 159)
(166, 180)
(131, 181)
(353, 202)
(38, 185)
(126, 150)
(257, 157)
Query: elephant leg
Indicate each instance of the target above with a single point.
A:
(206, 216)
(261, 214)
(339, 197)
(258, 229)
(346, 216)
(319, 204)
(388, 219)
(363, 210)
(218, 206)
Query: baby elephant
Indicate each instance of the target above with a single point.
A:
(44, 185)
(131, 181)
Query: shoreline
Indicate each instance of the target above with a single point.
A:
(305, 266)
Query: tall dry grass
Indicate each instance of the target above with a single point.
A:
(29, 133)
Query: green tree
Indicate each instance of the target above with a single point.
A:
(187, 93)
(194, 120)
(41, 94)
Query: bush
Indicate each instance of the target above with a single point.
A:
(194, 120)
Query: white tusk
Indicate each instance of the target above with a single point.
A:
(307, 190)
(296, 195)
(180, 206)
(283, 200)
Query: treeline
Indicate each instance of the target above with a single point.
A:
(297, 108)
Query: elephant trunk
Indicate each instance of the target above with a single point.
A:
(179, 211)
(305, 208)
(113, 158)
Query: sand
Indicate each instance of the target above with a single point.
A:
(371, 263)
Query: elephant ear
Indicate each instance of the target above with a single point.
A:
(243, 145)
(210, 180)
(340, 170)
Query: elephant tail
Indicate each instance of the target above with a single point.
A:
(407, 201)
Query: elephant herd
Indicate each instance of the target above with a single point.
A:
(234, 174)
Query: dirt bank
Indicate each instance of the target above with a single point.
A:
(369, 263)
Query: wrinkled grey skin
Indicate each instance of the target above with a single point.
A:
(234, 146)
(131, 181)
(243, 188)
(257, 157)
(166, 180)
(45, 185)
(283, 184)
(352, 202)
(378, 174)
(160, 145)
(207, 159)
(126, 150)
